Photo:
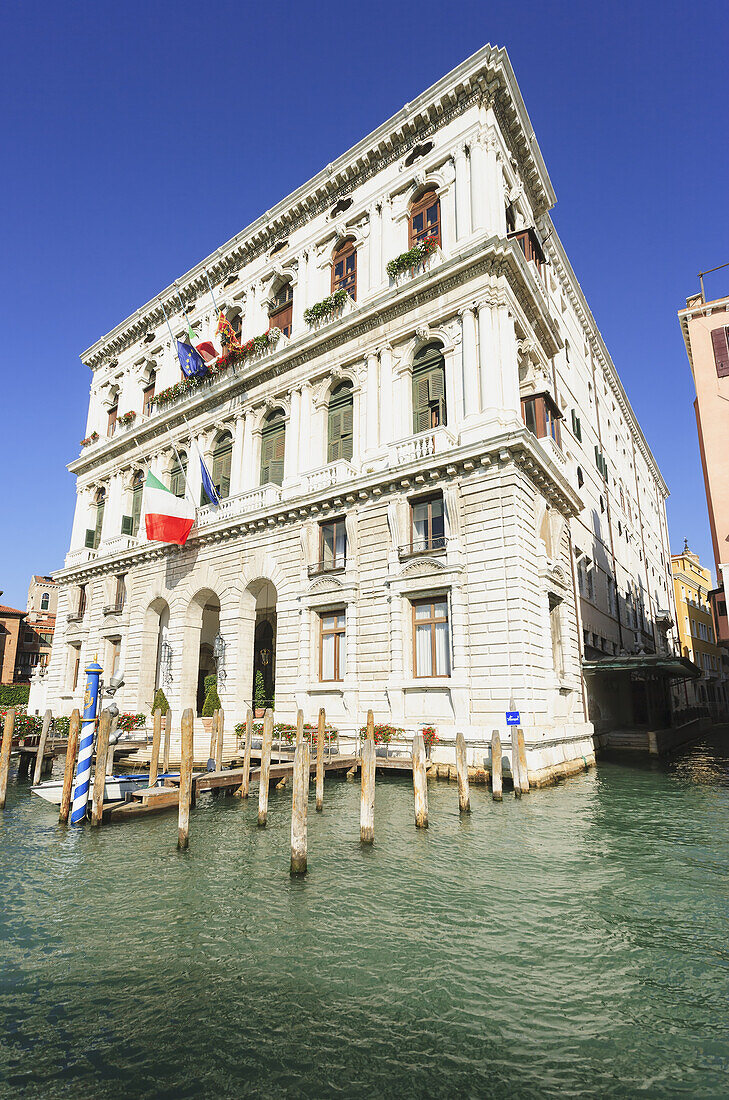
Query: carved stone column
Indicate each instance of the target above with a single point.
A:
(291, 452)
(471, 396)
(463, 199)
(371, 419)
(479, 207)
(236, 458)
(376, 267)
(386, 395)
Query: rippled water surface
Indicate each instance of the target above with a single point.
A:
(573, 943)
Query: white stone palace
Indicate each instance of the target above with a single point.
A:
(437, 501)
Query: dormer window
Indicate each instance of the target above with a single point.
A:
(344, 269)
(281, 313)
(424, 219)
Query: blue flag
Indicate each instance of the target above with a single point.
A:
(191, 361)
(207, 484)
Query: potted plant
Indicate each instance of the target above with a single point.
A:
(430, 738)
(211, 702)
(259, 696)
(160, 700)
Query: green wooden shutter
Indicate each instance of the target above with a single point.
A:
(277, 461)
(421, 407)
(348, 431)
(266, 453)
(89, 542)
(436, 384)
(334, 435)
(127, 525)
(136, 508)
(99, 522)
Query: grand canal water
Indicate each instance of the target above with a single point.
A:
(574, 943)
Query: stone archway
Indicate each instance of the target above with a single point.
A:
(154, 634)
(201, 627)
(264, 641)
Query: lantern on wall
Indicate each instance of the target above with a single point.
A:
(165, 663)
(219, 657)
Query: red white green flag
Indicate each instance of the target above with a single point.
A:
(167, 518)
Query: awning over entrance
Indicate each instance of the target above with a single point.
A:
(645, 665)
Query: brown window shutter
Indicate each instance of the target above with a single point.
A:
(721, 351)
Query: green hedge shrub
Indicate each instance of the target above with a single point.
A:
(14, 695)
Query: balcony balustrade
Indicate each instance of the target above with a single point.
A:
(412, 549)
(251, 501)
(332, 474)
(422, 445)
(334, 565)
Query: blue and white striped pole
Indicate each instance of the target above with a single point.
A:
(86, 744)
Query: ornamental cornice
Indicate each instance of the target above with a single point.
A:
(486, 79)
(511, 449)
(494, 256)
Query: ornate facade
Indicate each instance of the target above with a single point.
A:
(422, 487)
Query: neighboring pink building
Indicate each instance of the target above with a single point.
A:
(705, 327)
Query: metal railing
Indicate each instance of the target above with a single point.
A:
(336, 565)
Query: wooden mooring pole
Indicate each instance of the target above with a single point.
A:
(299, 805)
(299, 726)
(156, 738)
(320, 736)
(367, 799)
(370, 726)
(8, 727)
(168, 735)
(186, 761)
(74, 725)
(213, 735)
(496, 779)
(244, 788)
(47, 719)
(515, 764)
(265, 767)
(219, 742)
(521, 754)
(420, 782)
(102, 747)
(112, 745)
(464, 797)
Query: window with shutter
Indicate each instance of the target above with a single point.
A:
(344, 269)
(137, 490)
(282, 309)
(222, 456)
(424, 219)
(178, 475)
(127, 525)
(340, 427)
(273, 449)
(429, 404)
(720, 344)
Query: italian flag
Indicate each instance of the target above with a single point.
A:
(167, 518)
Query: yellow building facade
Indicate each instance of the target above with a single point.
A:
(691, 586)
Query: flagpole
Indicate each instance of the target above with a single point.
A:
(182, 468)
(193, 443)
(210, 288)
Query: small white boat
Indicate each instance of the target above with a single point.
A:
(116, 789)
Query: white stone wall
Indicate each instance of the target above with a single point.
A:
(517, 522)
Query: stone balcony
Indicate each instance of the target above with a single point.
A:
(422, 445)
(253, 500)
(553, 451)
(332, 474)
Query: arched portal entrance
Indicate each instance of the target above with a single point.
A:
(155, 653)
(209, 631)
(263, 682)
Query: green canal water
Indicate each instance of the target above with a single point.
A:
(573, 943)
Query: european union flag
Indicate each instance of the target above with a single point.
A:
(191, 361)
(207, 484)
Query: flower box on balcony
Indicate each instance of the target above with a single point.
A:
(414, 260)
(335, 305)
(90, 439)
(127, 419)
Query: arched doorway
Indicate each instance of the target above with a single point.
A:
(209, 631)
(156, 655)
(263, 685)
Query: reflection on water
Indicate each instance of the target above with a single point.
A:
(572, 943)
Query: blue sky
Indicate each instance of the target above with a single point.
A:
(138, 137)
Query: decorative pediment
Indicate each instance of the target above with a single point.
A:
(323, 585)
(422, 567)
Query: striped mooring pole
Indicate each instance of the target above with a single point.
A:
(86, 744)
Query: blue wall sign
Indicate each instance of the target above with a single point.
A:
(512, 718)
